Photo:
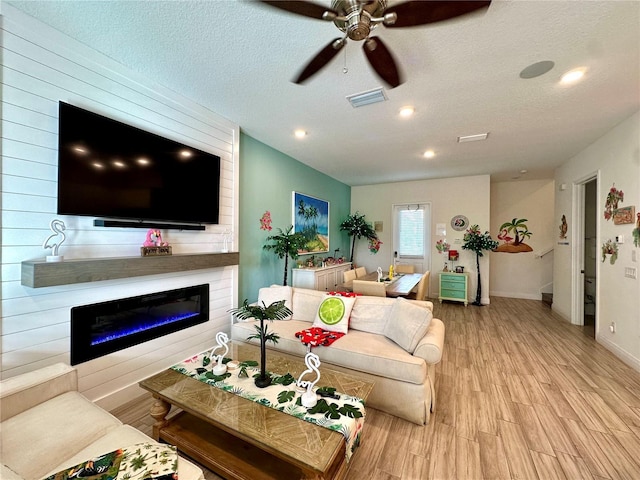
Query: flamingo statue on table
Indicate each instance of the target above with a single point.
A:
(309, 397)
(54, 241)
(222, 339)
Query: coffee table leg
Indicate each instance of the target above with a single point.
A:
(159, 411)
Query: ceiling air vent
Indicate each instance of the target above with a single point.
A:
(367, 98)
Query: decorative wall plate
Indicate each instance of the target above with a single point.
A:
(459, 223)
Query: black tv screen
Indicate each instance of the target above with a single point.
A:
(112, 170)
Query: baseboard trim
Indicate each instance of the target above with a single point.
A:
(524, 296)
(623, 355)
(119, 398)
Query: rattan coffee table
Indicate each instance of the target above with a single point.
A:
(240, 439)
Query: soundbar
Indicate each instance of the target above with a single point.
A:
(141, 224)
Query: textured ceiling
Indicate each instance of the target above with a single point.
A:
(237, 58)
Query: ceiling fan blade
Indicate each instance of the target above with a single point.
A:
(410, 14)
(306, 9)
(382, 61)
(321, 59)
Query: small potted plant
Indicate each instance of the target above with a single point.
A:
(275, 311)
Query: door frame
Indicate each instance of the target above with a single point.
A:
(577, 252)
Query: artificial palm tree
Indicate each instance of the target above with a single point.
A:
(357, 227)
(476, 241)
(285, 245)
(276, 311)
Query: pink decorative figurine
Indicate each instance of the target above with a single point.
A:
(154, 239)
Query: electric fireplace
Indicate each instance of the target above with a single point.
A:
(103, 328)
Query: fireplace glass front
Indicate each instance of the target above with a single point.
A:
(103, 328)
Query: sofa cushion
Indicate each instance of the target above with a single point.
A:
(362, 351)
(407, 323)
(370, 314)
(275, 293)
(306, 303)
(333, 313)
(43, 433)
(286, 330)
(24, 391)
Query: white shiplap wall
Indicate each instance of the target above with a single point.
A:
(40, 67)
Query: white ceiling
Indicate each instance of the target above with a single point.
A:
(237, 58)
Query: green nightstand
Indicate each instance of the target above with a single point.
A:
(454, 286)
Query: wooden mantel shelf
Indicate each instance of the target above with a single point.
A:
(39, 273)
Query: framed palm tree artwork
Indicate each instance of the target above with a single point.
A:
(311, 219)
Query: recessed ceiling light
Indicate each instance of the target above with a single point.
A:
(406, 111)
(573, 76)
(300, 133)
(429, 154)
(473, 138)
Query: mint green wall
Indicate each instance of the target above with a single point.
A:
(267, 179)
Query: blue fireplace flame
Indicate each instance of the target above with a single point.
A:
(141, 326)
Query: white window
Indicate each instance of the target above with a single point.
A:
(411, 238)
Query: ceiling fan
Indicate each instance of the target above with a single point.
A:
(357, 18)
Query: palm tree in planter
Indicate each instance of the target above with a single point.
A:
(357, 227)
(275, 311)
(477, 241)
(285, 245)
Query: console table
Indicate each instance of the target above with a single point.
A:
(324, 278)
(454, 286)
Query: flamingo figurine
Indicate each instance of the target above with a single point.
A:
(309, 397)
(54, 241)
(222, 339)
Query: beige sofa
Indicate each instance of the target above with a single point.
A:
(47, 425)
(404, 381)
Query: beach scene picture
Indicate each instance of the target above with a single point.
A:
(311, 219)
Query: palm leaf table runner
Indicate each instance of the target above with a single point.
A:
(336, 411)
(142, 461)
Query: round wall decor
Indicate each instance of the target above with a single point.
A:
(459, 223)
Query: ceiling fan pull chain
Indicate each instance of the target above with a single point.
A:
(345, 70)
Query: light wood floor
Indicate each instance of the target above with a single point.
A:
(521, 394)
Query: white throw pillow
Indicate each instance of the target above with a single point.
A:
(275, 293)
(333, 313)
(408, 322)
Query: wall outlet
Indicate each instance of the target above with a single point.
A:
(612, 327)
(620, 239)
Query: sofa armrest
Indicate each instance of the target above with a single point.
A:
(430, 346)
(22, 392)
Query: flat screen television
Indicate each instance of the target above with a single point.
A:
(109, 169)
